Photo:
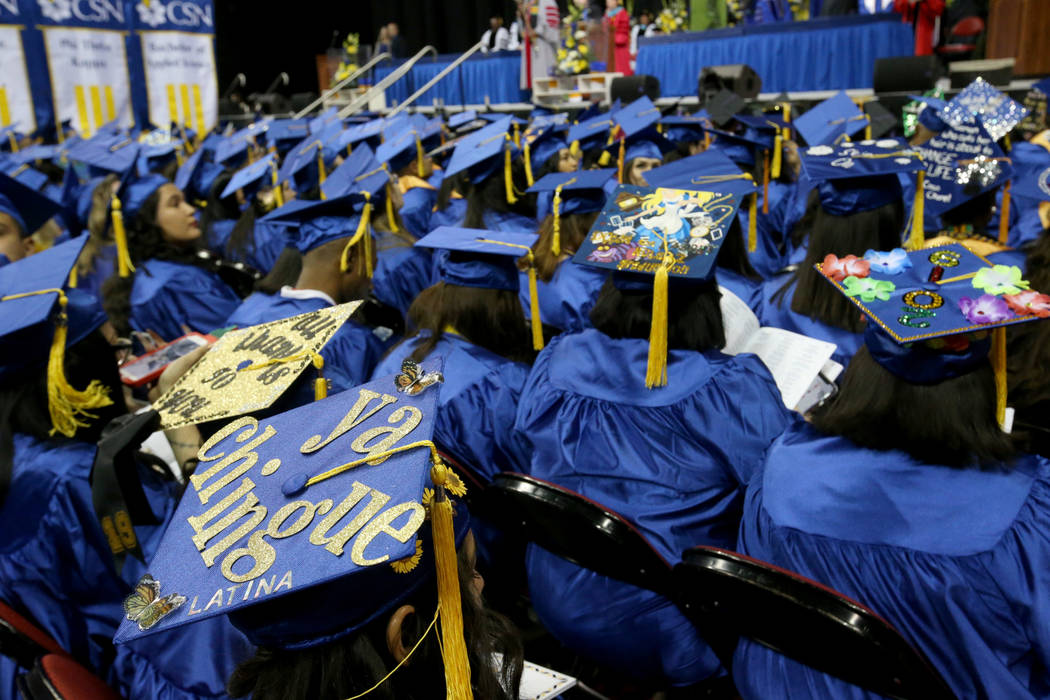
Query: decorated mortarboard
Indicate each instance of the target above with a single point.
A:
(932, 309)
(248, 369)
(962, 162)
(487, 260)
(647, 236)
(39, 318)
(29, 207)
(580, 192)
(252, 178)
(830, 121)
(996, 112)
(350, 517)
(283, 134)
(711, 171)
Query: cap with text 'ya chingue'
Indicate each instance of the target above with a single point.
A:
(307, 526)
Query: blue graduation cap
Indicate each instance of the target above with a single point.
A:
(688, 128)
(581, 192)
(932, 309)
(29, 207)
(963, 162)
(252, 178)
(210, 143)
(485, 151)
(34, 153)
(930, 112)
(647, 236)
(320, 222)
(233, 149)
(370, 132)
(303, 574)
(403, 149)
(153, 157)
(852, 178)
(831, 120)
(996, 112)
(540, 147)
(27, 175)
(459, 119)
(487, 260)
(283, 134)
(303, 167)
(196, 175)
(318, 123)
(359, 171)
(40, 316)
(590, 134)
(104, 153)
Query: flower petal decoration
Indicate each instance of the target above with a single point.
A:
(985, 309)
(839, 269)
(868, 289)
(1029, 303)
(1000, 279)
(892, 262)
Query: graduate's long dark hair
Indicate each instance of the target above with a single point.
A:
(24, 403)
(732, 255)
(352, 665)
(854, 234)
(100, 232)
(572, 231)
(490, 195)
(145, 242)
(456, 183)
(950, 423)
(489, 318)
(694, 318)
(976, 212)
(1029, 351)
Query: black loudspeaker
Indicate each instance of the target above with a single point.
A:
(629, 88)
(738, 78)
(906, 73)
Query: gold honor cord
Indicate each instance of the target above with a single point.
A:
(67, 406)
(534, 298)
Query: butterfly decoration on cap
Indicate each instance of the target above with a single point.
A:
(413, 380)
(146, 607)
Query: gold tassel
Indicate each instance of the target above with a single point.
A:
(534, 306)
(73, 278)
(179, 160)
(867, 131)
(765, 183)
(778, 145)
(361, 235)
(528, 164)
(787, 112)
(517, 135)
(574, 149)
(917, 237)
(752, 224)
(320, 384)
(321, 174)
(419, 157)
(999, 367)
(67, 405)
(390, 220)
(453, 646)
(656, 371)
(555, 211)
(1006, 143)
(707, 140)
(508, 178)
(13, 141)
(604, 158)
(1004, 218)
(619, 160)
(120, 237)
(278, 192)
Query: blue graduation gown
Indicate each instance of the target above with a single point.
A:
(566, 301)
(749, 291)
(452, 215)
(508, 222)
(957, 560)
(349, 356)
(671, 460)
(267, 244)
(56, 567)
(402, 271)
(477, 403)
(168, 294)
(417, 208)
(105, 264)
(777, 313)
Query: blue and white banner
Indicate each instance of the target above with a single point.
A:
(178, 59)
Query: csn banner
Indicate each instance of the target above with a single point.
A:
(16, 97)
(176, 41)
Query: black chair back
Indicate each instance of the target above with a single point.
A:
(805, 621)
(577, 529)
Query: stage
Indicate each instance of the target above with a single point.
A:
(792, 56)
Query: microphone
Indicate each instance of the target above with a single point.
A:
(281, 79)
(239, 80)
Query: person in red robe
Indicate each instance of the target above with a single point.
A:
(925, 16)
(619, 26)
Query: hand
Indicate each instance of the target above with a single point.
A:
(174, 371)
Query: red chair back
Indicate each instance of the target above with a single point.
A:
(803, 620)
(59, 677)
(967, 28)
(22, 640)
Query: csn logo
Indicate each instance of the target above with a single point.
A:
(178, 12)
(83, 10)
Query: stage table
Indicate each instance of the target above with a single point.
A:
(827, 53)
(493, 75)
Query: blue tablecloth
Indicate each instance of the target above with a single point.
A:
(493, 75)
(828, 53)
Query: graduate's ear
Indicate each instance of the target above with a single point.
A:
(394, 638)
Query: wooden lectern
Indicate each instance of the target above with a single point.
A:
(1018, 29)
